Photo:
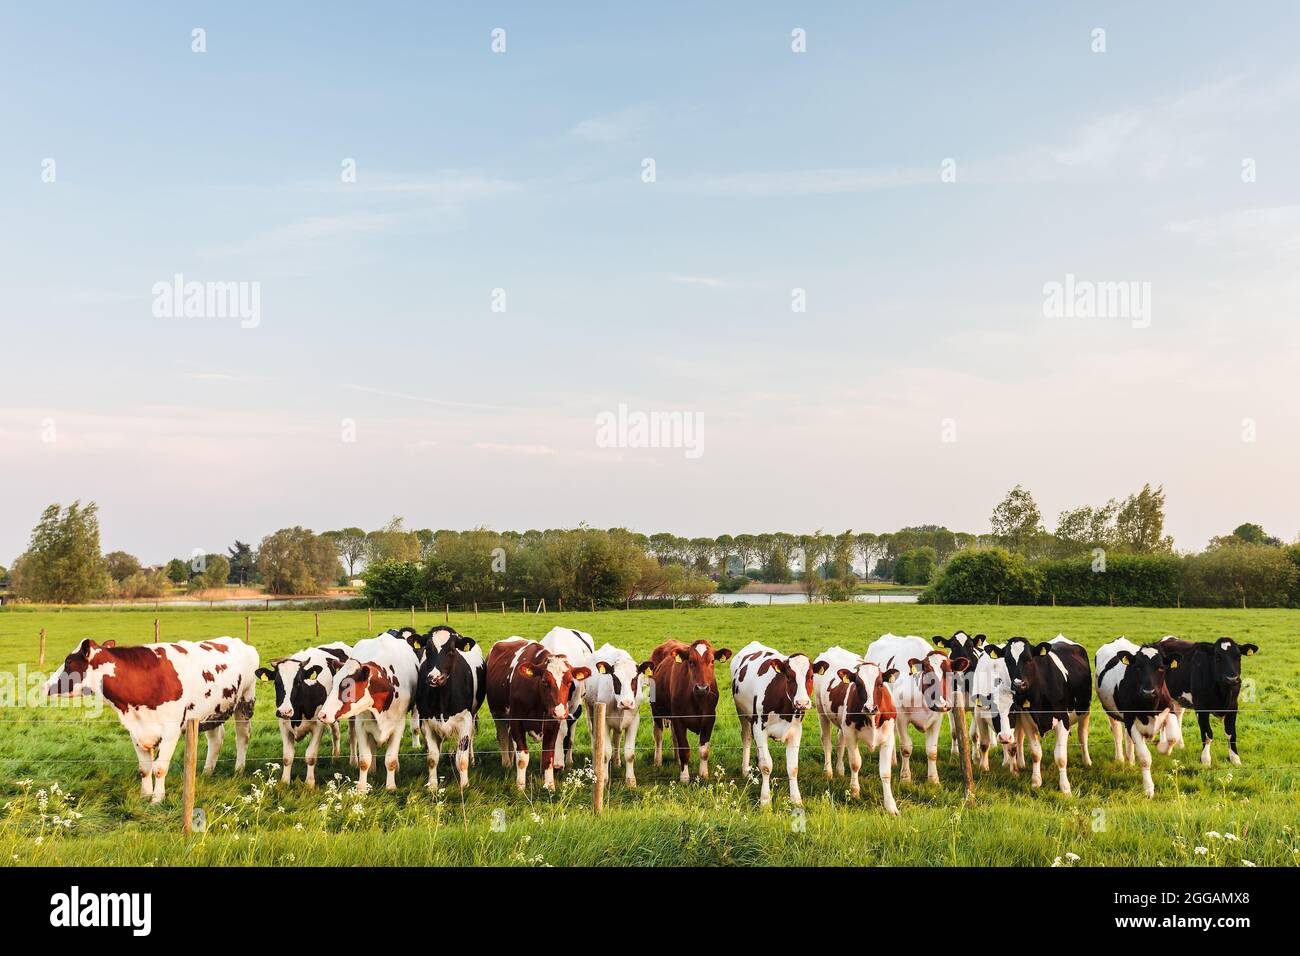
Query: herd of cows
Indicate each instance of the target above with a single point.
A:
(1014, 693)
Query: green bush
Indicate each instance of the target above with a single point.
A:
(1147, 580)
(393, 584)
(1257, 574)
(915, 566)
(986, 576)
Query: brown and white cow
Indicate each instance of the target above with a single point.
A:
(684, 696)
(853, 695)
(156, 688)
(528, 693)
(772, 693)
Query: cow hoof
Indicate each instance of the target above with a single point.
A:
(631, 782)
(1234, 759)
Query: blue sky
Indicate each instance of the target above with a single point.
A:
(521, 171)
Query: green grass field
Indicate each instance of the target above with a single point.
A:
(95, 817)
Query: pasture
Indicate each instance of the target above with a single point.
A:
(96, 817)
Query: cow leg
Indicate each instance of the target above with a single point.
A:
(827, 744)
(1143, 755)
(144, 756)
(657, 728)
(855, 763)
(519, 741)
(793, 740)
(215, 738)
(1085, 721)
(904, 734)
(415, 731)
(365, 756)
(932, 751)
(166, 747)
(432, 751)
(886, 771)
(463, 746)
(503, 743)
(286, 750)
(706, 734)
(682, 748)
(551, 731)
(746, 738)
(1207, 735)
(843, 742)
(243, 730)
(334, 739)
(1061, 753)
(353, 758)
(313, 749)
(1230, 731)
(629, 750)
(958, 701)
(566, 755)
(391, 759)
(1035, 743)
(1020, 747)
(1117, 732)
(561, 737)
(764, 767)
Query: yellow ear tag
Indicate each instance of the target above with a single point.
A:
(1042, 652)
(911, 669)
(1025, 705)
(1173, 663)
(649, 672)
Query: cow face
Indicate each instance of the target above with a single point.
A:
(81, 671)
(623, 677)
(300, 688)
(1227, 662)
(797, 673)
(698, 659)
(553, 679)
(961, 646)
(991, 689)
(411, 636)
(358, 688)
(934, 676)
(868, 680)
(1145, 671)
(1021, 659)
(442, 646)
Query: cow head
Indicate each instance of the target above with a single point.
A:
(300, 687)
(991, 690)
(411, 636)
(868, 682)
(698, 660)
(1226, 657)
(82, 671)
(1144, 670)
(359, 687)
(1022, 660)
(553, 680)
(622, 673)
(961, 646)
(933, 674)
(442, 647)
(797, 671)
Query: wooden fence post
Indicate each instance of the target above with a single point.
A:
(503, 608)
(42, 658)
(318, 623)
(248, 629)
(561, 600)
(191, 760)
(525, 605)
(598, 758)
(446, 614)
(369, 624)
(963, 742)
(412, 615)
(155, 630)
(476, 610)
(593, 605)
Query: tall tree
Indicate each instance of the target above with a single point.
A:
(1016, 521)
(120, 565)
(1140, 523)
(243, 563)
(62, 562)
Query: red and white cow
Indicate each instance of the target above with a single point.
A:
(528, 693)
(771, 693)
(375, 688)
(684, 696)
(854, 696)
(302, 682)
(576, 647)
(922, 693)
(156, 688)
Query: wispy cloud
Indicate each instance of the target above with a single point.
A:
(712, 282)
(612, 128)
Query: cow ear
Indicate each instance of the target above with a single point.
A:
(723, 655)
(646, 668)
(362, 673)
(995, 652)
(109, 643)
(581, 673)
(1125, 659)
(959, 665)
(527, 670)
(821, 667)
(679, 657)
(939, 641)
(1250, 650)
(265, 674)
(312, 674)
(980, 640)
(464, 643)
(602, 667)
(777, 666)
(911, 665)
(333, 663)
(844, 674)
(1173, 662)
(890, 675)
(1043, 648)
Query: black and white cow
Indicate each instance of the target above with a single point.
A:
(302, 682)
(961, 646)
(449, 692)
(1051, 684)
(1132, 691)
(1209, 682)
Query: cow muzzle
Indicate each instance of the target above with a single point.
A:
(1018, 683)
(437, 679)
(561, 712)
(1006, 738)
(699, 690)
(628, 703)
(285, 712)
